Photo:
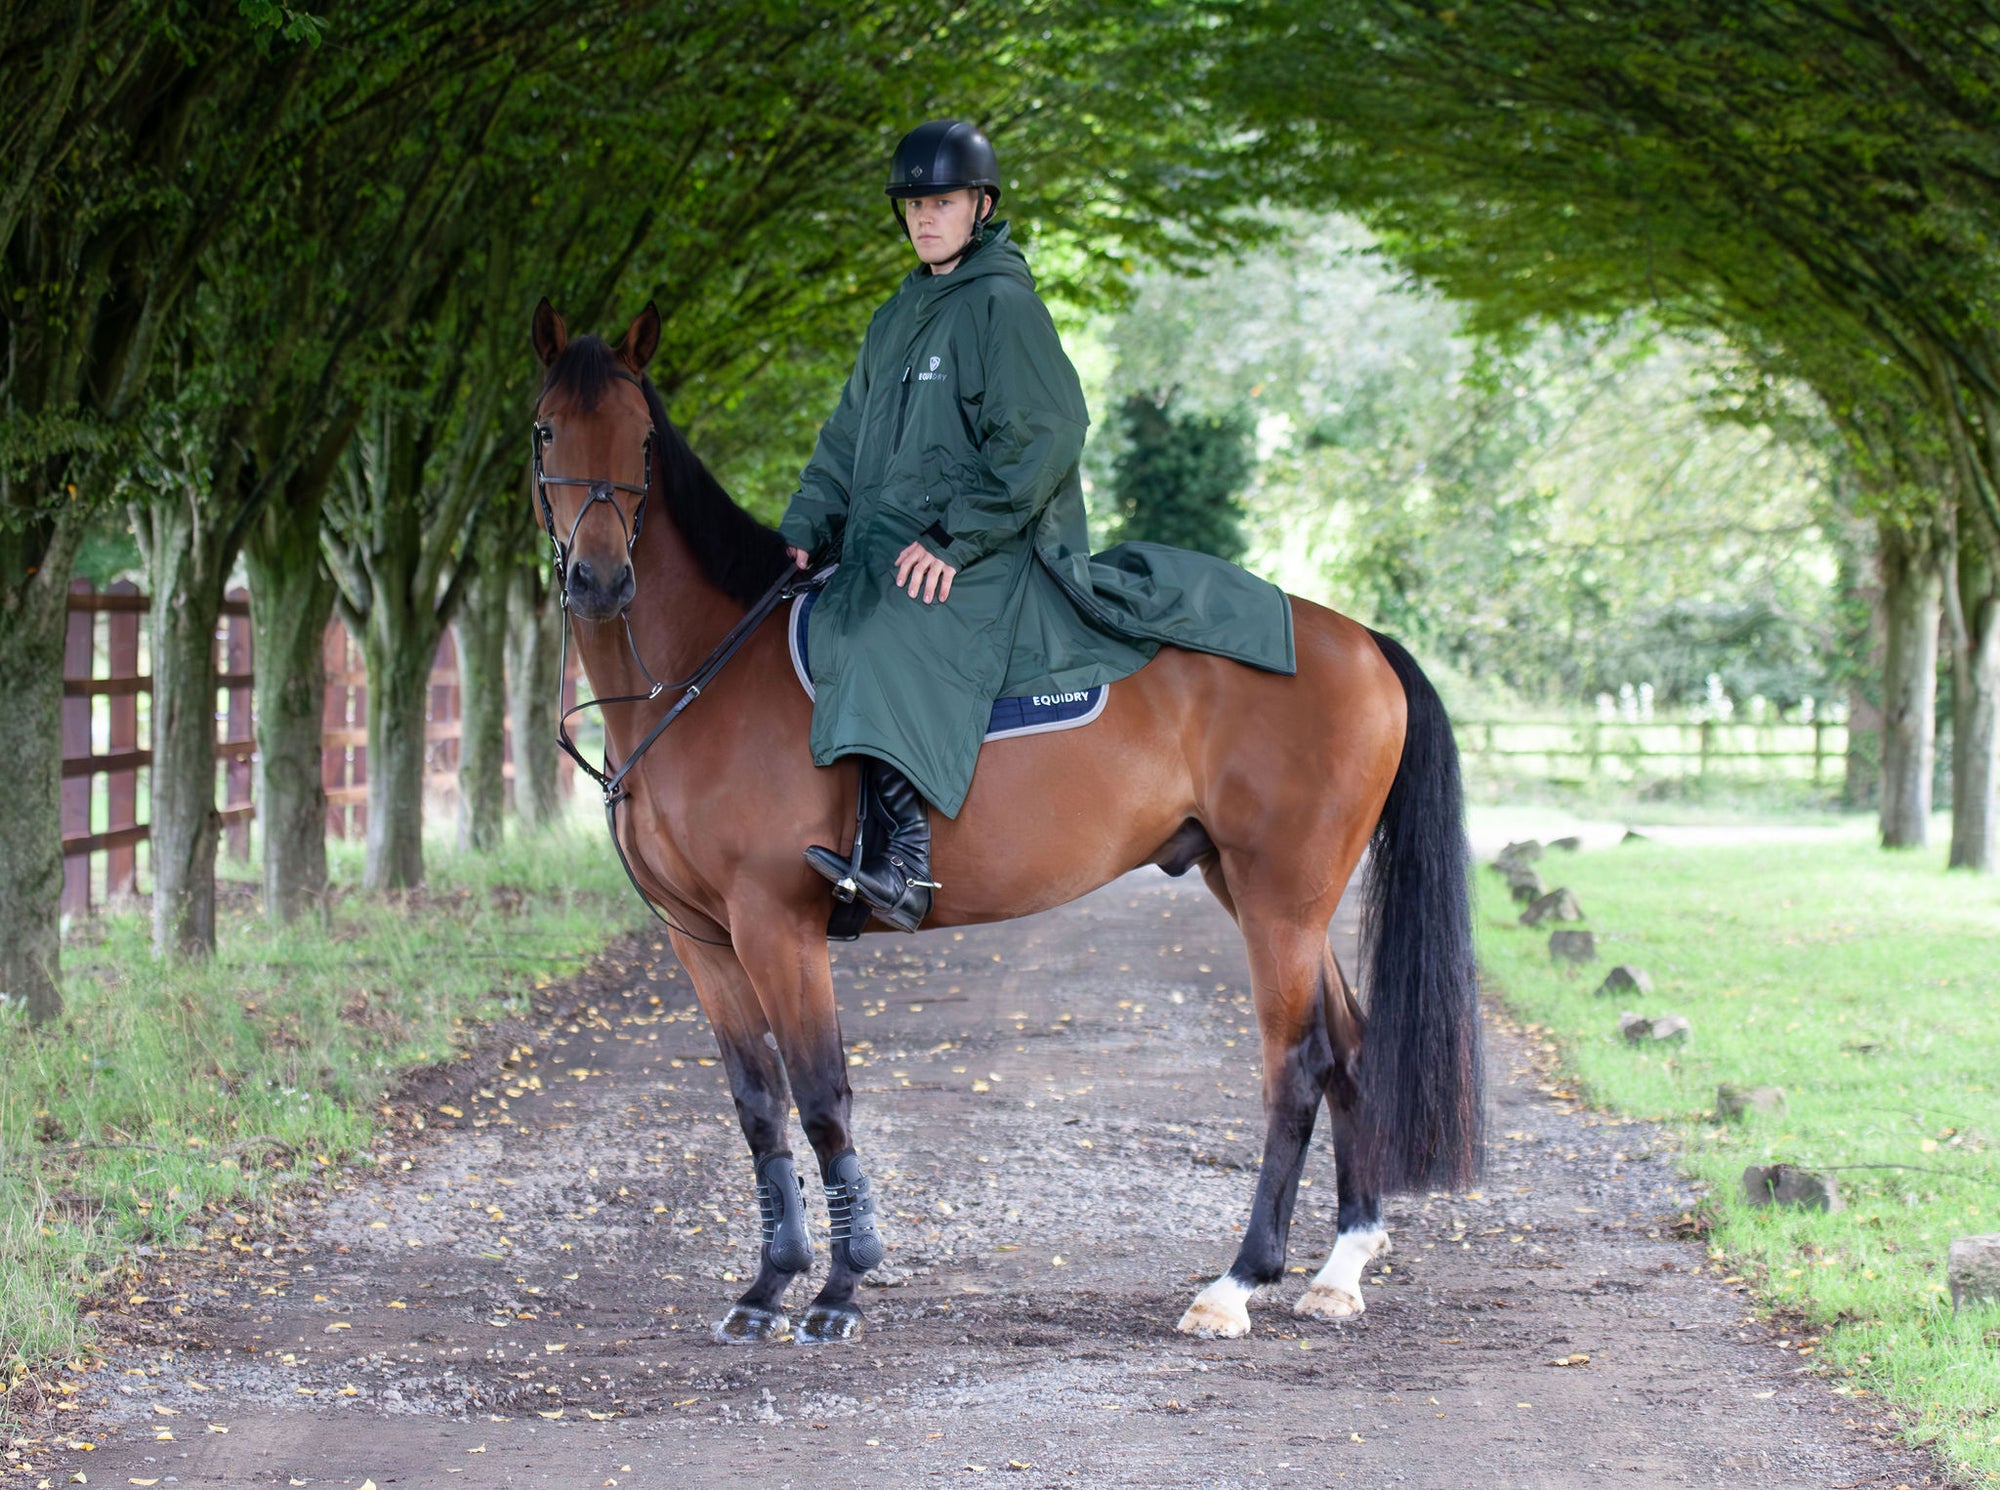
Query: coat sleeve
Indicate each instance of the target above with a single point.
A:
(1030, 432)
(818, 510)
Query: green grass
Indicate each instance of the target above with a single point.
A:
(168, 1093)
(1865, 984)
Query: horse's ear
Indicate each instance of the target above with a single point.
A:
(642, 339)
(548, 332)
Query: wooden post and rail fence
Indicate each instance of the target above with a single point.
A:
(105, 746)
(1640, 750)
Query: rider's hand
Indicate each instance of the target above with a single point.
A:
(799, 556)
(917, 568)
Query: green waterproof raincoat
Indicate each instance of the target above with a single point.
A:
(960, 428)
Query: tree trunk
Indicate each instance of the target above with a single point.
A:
(1859, 662)
(482, 730)
(399, 674)
(34, 617)
(1912, 601)
(291, 598)
(534, 676)
(1975, 712)
(182, 561)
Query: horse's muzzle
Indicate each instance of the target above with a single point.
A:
(592, 598)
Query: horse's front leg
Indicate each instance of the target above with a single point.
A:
(794, 983)
(763, 1106)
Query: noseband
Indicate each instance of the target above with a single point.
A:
(599, 491)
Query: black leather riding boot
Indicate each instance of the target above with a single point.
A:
(892, 870)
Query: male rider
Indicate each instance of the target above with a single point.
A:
(882, 481)
(947, 477)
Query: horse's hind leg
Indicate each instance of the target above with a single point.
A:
(763, 1106)
(1286, 967)
(1335, 1291)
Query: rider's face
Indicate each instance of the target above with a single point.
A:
(939, 226)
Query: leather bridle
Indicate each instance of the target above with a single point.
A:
(600, 491)
(611, 779)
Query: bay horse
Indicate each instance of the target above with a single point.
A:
(1272, 786)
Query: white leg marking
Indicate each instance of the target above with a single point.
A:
(1220, 1311)
(1335, 1291)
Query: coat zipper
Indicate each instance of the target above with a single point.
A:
(902, 406)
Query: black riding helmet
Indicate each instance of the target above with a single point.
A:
(944, 155)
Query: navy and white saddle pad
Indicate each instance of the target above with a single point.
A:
(1029, 714)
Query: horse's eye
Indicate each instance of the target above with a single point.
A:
(546, 433)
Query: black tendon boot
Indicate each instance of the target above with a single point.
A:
(891, 866)
(850, 1212)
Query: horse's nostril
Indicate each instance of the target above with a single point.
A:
(581, 574)
(623, 584)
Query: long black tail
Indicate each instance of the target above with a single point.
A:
(1421, 1114)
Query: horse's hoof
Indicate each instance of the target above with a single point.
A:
(746, 1324)
(1220, 1311)
(825, 1325)
(1324, 1301)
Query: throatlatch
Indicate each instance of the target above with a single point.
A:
(781, 1204)
(850, 1206)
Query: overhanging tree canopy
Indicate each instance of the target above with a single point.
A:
(1820, 181)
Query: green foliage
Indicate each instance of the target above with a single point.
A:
(1863, 985)
(171, 1092)
(291, 24)
(106, 554)
(1559, 513)
(1179, 478)
(1814, 182)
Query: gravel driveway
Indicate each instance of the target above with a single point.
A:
(1062, 1114)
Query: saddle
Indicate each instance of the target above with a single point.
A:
(1026, 714)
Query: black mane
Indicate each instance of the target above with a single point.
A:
(740, 556)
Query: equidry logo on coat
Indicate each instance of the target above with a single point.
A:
(931, 374)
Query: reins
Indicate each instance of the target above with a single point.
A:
(611, 780)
